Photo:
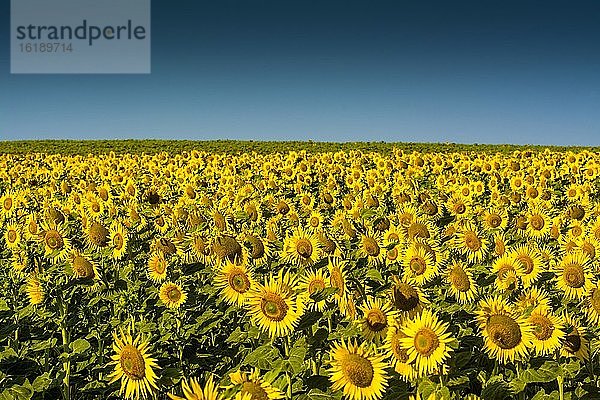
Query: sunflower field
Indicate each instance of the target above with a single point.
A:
(295, 275)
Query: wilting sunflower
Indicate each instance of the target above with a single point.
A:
(313, 282)
(273, 308)
(193, 390)
(157, 267)
(133, 365)
(574, 343)
(397, 354)
(301, 248)
(547, 330)
(235, 282)
(407, 299)
(377, 317)
(427, 342)
(34, 290)
(508, 336)
(573, 275)
(357, 372)
(461, 282)
(172, 295)
(254, 387)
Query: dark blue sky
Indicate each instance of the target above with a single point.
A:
(463, 71)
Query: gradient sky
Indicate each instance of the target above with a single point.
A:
(459, 71)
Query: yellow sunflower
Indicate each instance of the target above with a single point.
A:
(133, 365)
(193, 391)
(118, 240)
(301, 248)
(531, 262)
(471, 243)
(254, 387)
(397, 354)
(157, 267)
(172, 295)
(592, 305)
(313, 282)
(573, 275)
(547, 330)
(377, 317)
(235, 282)
(461, 282)
(508, 336)
(356, 371)
(427, 342)
(574, 343)
(34, 290)
(370, 247)
(419, 265)
(273, 308)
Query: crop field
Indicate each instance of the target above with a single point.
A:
(322, 272)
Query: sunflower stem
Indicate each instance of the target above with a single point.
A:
(561, 393)
(65, 340)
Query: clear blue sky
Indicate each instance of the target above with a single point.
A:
(464, 71)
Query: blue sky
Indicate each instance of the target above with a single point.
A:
(468, 71)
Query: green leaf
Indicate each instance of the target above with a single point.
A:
(42, 382)
(262, 357)
(4, 305)
(80, 346)
(375, 275)
(297, 355)
(496, 389)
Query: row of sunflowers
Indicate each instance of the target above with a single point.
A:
(293, 275)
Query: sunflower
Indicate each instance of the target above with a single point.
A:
(313, 282)
(337, 279)
(254, 387)
(370, 247)
(494, 219)
(538, 223)
(531, 262)
(82, 266)
(573, 275)
(315, 221)
(118, 240)
(234, 282)
(56, 241)
(273, 308)
(592, 305)
(157, 267)
(172, 295)
(427, 342)
(397, 354)
(34, 290)
(301, 248)
(547, 330)
(574, 343)
(133, 365)
(259, 250)
(461, 282)
(12, 236)
(377, 317)
(406, 298)
(507, 335)
(532, 298)
(471, 243)
(198, 249)
(419, 265)
(357, 372)
(508, 270)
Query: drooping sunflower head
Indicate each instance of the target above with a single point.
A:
(35, 290)
(574, 343)
(397, 354)
(356, 371)
(408, 299)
